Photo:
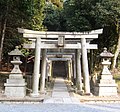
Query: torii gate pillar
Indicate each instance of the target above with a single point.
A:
(85, 66)
(43, 71)
(36, 73)
(79, 76)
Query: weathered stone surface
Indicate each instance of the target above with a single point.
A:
(107, 85)
(15, 90)
(16, 52)
(15, 86)
(106, 90)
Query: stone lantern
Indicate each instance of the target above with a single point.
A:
(106, 56)
(107, 85)
(15, 86)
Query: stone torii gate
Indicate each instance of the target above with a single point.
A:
(79, 41)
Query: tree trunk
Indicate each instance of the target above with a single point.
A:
(2, 40)
(116, 53)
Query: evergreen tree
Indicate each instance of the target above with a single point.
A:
(18, 13)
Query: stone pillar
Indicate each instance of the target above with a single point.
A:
(36, 71)
(49, 70)
(69, 70)
(85, 66)
(79, 77)
(43, 72)
(74, 67)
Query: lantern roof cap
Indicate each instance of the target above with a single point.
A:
(106, 54)
(15, 52)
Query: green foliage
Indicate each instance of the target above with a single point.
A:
(58, 3)
(82, 15)
(53, 18)
(77, 15)
(38, 16)
(107, 14)
(11, 42)
(25, 52)
(19, 13)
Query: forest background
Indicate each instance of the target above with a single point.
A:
(59, 15)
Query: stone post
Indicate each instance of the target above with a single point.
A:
(74, 69)
(69, 70)
(49, 70)
(43, 71)
(79, 76)
(36, 72)
(85, 66)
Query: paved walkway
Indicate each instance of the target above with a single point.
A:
(60, 94)
(60, 107)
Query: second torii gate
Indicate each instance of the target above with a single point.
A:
(60, 40)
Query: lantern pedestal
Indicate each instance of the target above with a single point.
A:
(15, 86)
(107, 86)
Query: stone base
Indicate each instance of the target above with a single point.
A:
(13, 91)
(106, 87)
(34, 95)
(106, 90)
(15, 86)
(87, 94)
(80, 92)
